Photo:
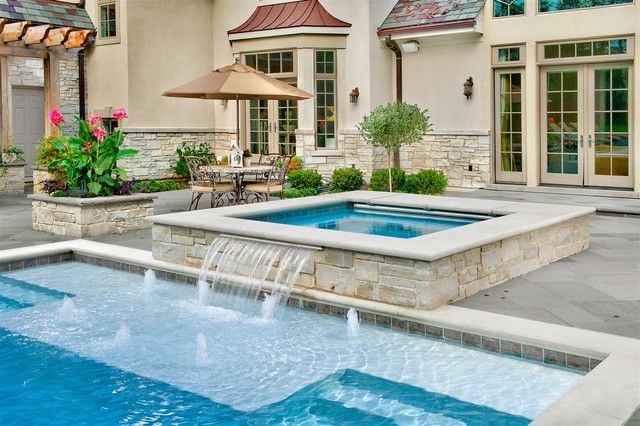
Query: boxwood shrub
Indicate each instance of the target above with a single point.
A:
(426, 182)
(346, 179)
(305, 178)
(298, 193)
(380, 179)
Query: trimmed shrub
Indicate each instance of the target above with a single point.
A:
(188, 149)
(298, 193)
(426, 182)
(346, 179)
(149, 186)
(380, 179)
(305, 178)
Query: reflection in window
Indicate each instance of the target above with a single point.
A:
(556, 5)
(108, 25)
(507, 8)
(562, 122)
(508, 54)
(586, 48)
(271, 63)
(510, 118)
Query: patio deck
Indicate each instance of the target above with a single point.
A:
(598, 289)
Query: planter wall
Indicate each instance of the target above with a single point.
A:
(39, 176)
(12, 178)
(90, 217)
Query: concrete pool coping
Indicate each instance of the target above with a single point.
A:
(512, 218)
(608, 395)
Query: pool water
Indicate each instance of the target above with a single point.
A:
(373, 220)
(132, 353)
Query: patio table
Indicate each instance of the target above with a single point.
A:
(237, 174)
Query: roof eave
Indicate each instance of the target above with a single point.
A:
(299, 30)
(425, 28)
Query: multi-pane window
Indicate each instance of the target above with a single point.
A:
(510, 121)
(325, 67)
(585, 49)
(556, 5)
(272, 62)
(507, 8)
(508, 54)
(108, 20)
(110, 124)
(562, 122)
(287, 125)
(259, 126)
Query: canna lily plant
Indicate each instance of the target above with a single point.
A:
(90, 158)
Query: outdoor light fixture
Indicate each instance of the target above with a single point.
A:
(468, 87)
(411, 46)
(353, 96)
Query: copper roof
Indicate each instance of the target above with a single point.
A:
(302, 13)
(421, 15)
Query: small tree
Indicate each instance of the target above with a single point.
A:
(394, 125)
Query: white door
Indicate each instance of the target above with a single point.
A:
(28, 122)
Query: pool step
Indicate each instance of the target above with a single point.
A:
(17, 294)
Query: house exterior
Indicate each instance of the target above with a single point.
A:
(551, 96)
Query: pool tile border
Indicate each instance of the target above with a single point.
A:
(475, 341)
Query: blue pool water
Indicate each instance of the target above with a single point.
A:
(373, 220)
(131, 354)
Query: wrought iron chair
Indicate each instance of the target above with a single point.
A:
(203, 181)
(261, 191)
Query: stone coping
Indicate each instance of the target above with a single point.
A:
(93, 201)
(605, 396)
(12, 164)
(513, 218)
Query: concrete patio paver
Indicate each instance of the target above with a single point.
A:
(598, 289)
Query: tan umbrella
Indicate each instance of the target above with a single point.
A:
(239, 82)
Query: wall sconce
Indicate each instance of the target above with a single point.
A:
(353, 96)
(411, 46)
(468, 87)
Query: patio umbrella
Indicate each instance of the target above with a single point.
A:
(239, 82)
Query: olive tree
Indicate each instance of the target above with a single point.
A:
(394, 125)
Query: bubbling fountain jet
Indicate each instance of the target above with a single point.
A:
(353, 323)
(67, 312)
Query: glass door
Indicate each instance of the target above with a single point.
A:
(610, 125)
(562, 123)
(287, 125)
(259, 124)
(272, 127)
(509, 126)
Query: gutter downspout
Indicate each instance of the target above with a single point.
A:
(81, 86)
(393, 46)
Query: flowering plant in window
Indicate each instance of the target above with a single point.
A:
(90, 157)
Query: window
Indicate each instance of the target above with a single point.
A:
(108, 14)
(272, 62)
(556, 5)
(503, 8)
(586, 50)
(325, 67)
(110, 124)
(509, 120)
(508, 56)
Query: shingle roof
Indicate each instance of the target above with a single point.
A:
(421, 14)
(302, 13)
(52, 12)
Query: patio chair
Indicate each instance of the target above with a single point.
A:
(203, 181)
(263, 160)
(261, 191)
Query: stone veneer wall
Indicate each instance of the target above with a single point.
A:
(402, 281)
(158, 149)
(91, 217)
(12, 178)
(450, 152)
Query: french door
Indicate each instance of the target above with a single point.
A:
(272, 126)
(587, 125)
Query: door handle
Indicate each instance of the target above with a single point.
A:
(581, 141)
(590, 141)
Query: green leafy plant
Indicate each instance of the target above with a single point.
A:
(298, 193)
(426, 182)
(189, 149)
(394, 125)
(90, 158)
(305, 178)
(380, 179)
(346, 179)
(149, 186)
(12, 154)
(47, 152)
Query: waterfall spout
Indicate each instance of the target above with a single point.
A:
(149, 279)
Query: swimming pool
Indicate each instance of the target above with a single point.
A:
(369, 219)
(130, 352)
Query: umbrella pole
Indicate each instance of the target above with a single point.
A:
(238, 121)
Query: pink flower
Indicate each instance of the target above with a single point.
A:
(56, 117)
(120, 114)
(94, 119)
(99, 133)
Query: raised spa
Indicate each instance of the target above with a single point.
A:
(388, 221)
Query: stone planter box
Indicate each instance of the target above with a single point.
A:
(90, 217)
(12, 178)
(39, 176)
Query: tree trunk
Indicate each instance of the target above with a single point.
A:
(390, 161)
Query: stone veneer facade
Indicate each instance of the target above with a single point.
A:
(403, 281)
(12, 178)
(157, 149)
(451, 152)
(90, 217)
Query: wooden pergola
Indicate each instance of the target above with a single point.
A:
(48, 35)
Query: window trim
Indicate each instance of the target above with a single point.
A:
(108, 40)
(333, 76)
(508, 64)
(629, 56)
(280, 75)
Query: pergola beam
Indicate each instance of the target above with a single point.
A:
(77, 38)
(14, 31)
(57, 36)
(37, 34)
